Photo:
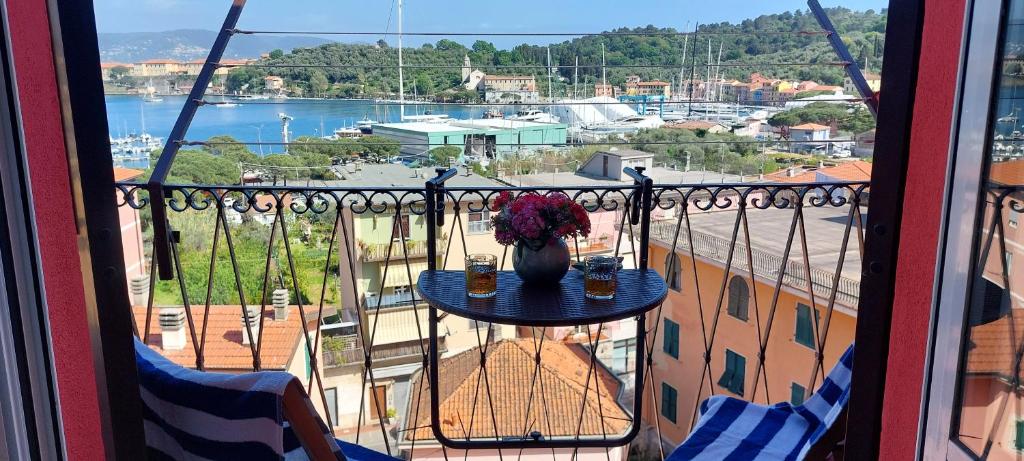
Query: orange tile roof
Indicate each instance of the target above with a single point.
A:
(991, 350)
(654, 83)
(126, 174)
(1009, 173)
(857, 170)
(224, 349)
(510, 368)
(111, 65)
(159, 61)
(810, 126)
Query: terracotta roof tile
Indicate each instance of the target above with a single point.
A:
(992, 351)
(857, 170)
(224, 349)
(1009, 173)
(810, 126)
(510, 369)
(126, 174)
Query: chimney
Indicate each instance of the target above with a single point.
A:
(821, 164)
(687, 167)
(140, 290)
(280, 299)
(791, 171)
(254, 324)
(172, 328)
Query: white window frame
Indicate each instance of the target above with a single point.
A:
(960, 211)
(480, 226)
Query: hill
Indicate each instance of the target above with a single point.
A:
(775, 45)
(189, 44)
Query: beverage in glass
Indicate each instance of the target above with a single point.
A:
(599, 278)
(481, 275)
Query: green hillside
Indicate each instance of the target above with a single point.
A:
(753, 45)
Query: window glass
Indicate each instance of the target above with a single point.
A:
(332, 404)
(990, 402)
(479, 222)
(624, 356)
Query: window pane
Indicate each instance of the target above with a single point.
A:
(990, 406)
(332, 404)
(671, 338)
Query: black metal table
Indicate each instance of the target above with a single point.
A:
(639, 291)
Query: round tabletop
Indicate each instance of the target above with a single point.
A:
(561, 305)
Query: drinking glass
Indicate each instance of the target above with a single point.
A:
(599, 278)
(481, 275)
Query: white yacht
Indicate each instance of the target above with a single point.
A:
(534, 115)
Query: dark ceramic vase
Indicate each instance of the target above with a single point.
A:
(541, 264)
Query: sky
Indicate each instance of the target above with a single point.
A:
(473, 16)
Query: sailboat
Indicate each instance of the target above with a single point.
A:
(150, 95)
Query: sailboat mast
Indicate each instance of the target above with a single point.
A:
(604, 71)
(718, 70)
(682, 66)
(576, 78)
(708, 73)
(401, 79)
(142, 118)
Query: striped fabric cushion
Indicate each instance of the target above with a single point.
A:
(193, 415)
(733, 429)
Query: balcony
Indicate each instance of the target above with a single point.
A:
(717, 307)
(375, 252)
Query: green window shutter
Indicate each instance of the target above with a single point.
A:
(668, 402)
(797, 393)
(726, 378)
(735, 373)
(804, 334)
(670, 343)
(1018, 443)
(739, 376)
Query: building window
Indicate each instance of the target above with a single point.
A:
(480, 222)
(1018, 442)
(804, 329)
(668, 402)
(1012, 217)
(735, 373)
(332, 404)
(739, 297)
(397, 233)
(671, 344)
(624, 356)
(797, 394)
(674, 272)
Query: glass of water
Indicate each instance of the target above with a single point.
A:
(481, 275)
(599, 277)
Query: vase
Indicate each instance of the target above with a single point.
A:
(540, 263)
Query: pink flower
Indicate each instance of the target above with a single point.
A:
(537, 217)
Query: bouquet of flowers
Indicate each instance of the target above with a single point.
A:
(537, 219)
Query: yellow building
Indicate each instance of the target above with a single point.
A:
(734, 318)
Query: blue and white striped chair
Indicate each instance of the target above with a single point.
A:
(192, 415)
(733, 429)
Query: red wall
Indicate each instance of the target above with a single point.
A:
(48, 171)
(922, 211)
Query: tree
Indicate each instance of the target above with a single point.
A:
(442, 155)
(424, 85)
(117, 73)
(276, 54)
(318, 82)
(481, 46)
(445, 45)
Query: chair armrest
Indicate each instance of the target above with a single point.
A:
(305, 424)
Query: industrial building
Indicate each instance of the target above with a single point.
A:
(478, 137)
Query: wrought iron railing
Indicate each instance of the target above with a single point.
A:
(248, 261)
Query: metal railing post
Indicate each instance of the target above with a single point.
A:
(155, 185)
(643, 199)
